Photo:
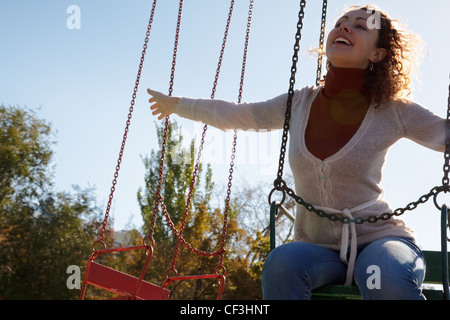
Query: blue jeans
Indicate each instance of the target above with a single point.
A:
(389, 268)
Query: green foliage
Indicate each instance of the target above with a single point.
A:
(25, 153)
(42, 232)
(39, 243)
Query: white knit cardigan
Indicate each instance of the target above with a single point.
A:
(349, 181)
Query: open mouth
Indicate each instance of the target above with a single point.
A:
(341, 40)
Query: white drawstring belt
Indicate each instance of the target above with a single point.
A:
(346, 235)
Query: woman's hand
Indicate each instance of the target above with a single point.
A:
(162, 104)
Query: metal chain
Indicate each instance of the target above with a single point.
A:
(181, 239)
(360, 220)
(166, 126)
(321, 42)
(279, 182)
(127, 126)
(446, 168)
(445, 179)
(175, 47)
(233, 149)
(179, 234)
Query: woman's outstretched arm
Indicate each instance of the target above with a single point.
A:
(225, 115)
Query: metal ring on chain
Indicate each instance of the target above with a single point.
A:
(282, 199)
(442, 189)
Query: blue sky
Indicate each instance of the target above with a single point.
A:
(81, 80)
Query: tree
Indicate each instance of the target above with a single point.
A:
(25, 153)
(42, 232)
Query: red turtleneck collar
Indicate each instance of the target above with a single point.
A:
(344, 82)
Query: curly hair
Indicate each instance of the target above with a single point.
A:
(390, 79)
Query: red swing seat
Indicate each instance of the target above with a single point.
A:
(126, 286)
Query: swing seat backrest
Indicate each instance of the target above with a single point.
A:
(123, 284)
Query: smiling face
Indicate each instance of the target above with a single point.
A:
(352, 44)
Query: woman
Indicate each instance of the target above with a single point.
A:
(339, 136)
